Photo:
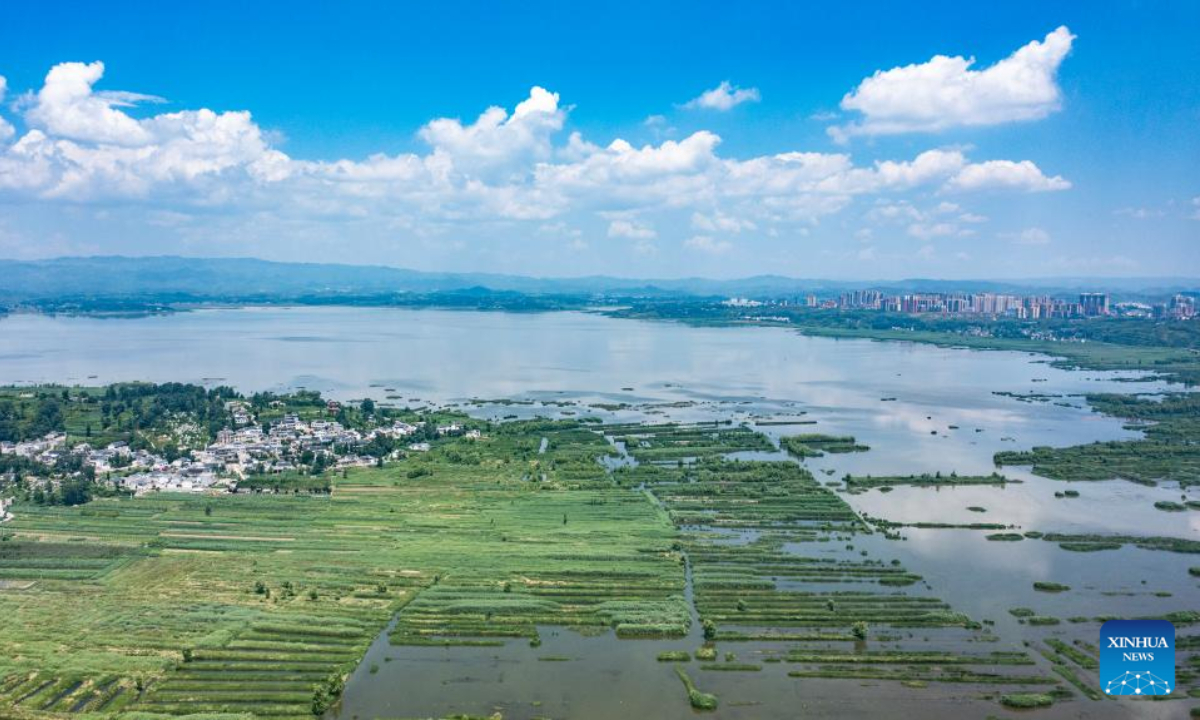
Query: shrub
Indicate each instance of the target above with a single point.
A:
(1026, 700)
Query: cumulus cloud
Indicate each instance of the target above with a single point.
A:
(723, 97)
(946, 219)
(503, 168)
(946, 92)
(708, 245)
(67, 107)
(1006, 175)
(497, 139)
(83, 145)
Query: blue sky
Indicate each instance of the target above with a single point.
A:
(663, 140)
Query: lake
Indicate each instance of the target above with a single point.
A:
(920, 408)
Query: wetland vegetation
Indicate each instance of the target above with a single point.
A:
(664, 531)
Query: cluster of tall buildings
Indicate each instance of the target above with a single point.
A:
(1029, 307)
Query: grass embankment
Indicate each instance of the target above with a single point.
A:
(816, 445)
(859, 482)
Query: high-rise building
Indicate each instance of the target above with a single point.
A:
(1183, 307)
(1094, 304)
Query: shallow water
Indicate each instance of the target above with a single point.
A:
(556, 363)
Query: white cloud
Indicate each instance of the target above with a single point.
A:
(886, 211)
(708, 245)
(720, 222)
(723, 97)
(926, 231)
(496, 139)
(6, 128)
(1005, 175)
(945, 219)
(83, 145)
(1139, 213)
(1110, 264)
(644, 248)
(478, 179)
(1196, 204)
(630, 229)
(946, 92)
(1029, 236)
(66, 107)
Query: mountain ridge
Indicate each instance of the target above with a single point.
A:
(213, 278)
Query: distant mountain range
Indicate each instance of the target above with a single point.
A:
(214, 279)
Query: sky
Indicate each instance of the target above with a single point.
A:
(819, 140)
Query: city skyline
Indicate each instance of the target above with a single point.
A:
(1054, 141)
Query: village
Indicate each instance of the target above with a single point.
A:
(248, 448)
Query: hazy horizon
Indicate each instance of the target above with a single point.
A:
(1016, 279)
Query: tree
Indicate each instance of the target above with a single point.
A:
(76, 491)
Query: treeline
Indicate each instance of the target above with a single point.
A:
(120, 410)
(476, 298)
(74, 490)
(134, 406)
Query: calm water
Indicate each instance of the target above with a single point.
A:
(558, 363)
